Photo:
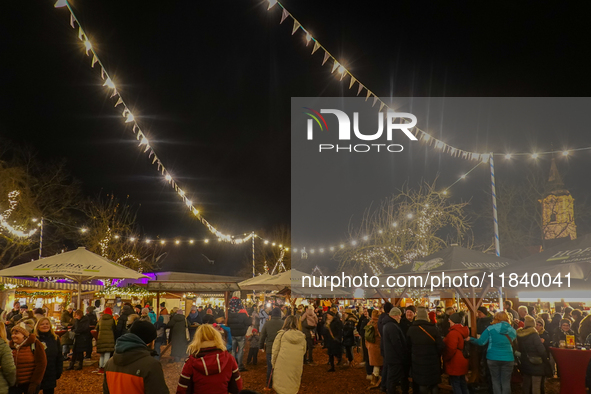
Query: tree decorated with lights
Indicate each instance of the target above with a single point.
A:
(111, 232)
(31, 189)
(406, 226)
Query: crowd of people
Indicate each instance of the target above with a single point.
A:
(411, 347)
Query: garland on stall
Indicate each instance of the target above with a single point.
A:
(131, 291)
(44, 294)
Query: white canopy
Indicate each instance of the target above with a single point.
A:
(267, 282)
(79, 265)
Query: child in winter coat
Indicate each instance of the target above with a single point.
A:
(30, 359)
(254, 347)
(210, 368)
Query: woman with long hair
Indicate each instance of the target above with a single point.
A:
(209, 368)
(289, 348)
(7, 367)
(53, 353)
(500, 359)
(28, 357)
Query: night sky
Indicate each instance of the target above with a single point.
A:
(211, 83)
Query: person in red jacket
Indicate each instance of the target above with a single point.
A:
(210, 368)
(456, 365)
(29, 358)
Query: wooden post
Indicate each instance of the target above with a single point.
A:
(157, 304)
(227, 303)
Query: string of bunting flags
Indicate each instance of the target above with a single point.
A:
(144, 142)
(421, 135)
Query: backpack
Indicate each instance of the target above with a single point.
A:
(466, 350)
(370, 333)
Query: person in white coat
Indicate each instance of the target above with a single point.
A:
(289, 348)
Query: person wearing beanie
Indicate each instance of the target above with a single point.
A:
(145, 316)
(132, 369)
(396, 360)
(29, 358)
(253, 352)
(268, 335)
(238, 323)
(532, 349)
(483, 319)
(563, 330)
(408, 318)
(454, 362)
(105, 342)
(387, 308)
(425, 347)
(178, 335)
(194, 320)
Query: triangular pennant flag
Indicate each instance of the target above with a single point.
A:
(382, 105)
(94, 60)
(80, 33)
(134, 127)
(139, 134)
(360, 88)
(284, 15)
(114, 92)
(375, 98)
(296, 26)
(334, 66)
(151, 153)
(316, 46)
(352, 82)
(343, 75)
(368, 94)
(155, 158)
(72, 21)
(326, 56)
(102, 73)
(120, 101)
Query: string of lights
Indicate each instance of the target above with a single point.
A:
(14, 229)
(304, 251)
(421, 135)
(144, 142)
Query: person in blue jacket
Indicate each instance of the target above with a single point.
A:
(499, 336)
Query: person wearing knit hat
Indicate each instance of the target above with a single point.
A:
(532, 349)
(454, 362)
(238, 323)
(408, 318)
(145, 316)
(425, 346)
(133, 361)
(105, 341)
(268, 335)
(395, 370)
(30, 364)
(544, 335)
(483, 319)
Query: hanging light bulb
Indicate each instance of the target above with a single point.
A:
(565, 153)
(535, 156)
(191, 241)
(168, 177)
(341, 69)
(177, 242)
(206, 240)
(508, 156)
(308, 38)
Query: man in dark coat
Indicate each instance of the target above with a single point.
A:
(425, 347)
(122, 321)
(92, 320)
(333, 337)
(531, 346)
(408, 318)
(484, 319)
(268, 334)
(238, 323)
(395, 355)
(81, 338)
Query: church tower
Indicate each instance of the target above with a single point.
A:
(558, 216)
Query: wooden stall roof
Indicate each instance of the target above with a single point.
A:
(195, 283)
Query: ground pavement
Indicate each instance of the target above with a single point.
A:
(315, 379)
